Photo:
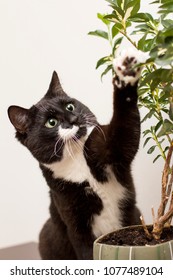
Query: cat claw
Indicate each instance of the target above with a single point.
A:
(126, 67)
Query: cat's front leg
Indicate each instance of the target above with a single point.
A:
(124, 129)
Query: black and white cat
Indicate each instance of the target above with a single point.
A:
(86, 165)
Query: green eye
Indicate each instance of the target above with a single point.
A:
(70, 107)
(52, 122)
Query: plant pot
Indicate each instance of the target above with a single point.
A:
(102, 251)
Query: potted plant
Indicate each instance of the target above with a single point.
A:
(153, 36)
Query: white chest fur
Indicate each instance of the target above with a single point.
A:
(111, 193)
(75, 169)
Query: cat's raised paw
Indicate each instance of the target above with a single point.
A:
(126, 67)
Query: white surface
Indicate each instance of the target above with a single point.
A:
(38, 37)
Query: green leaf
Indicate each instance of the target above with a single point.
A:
(117, 9)
(133, 6)
(147, 131)
(128, 23)
(164, 1)
(103, 19)
(167, 128)
(155, 2)
(99, 33)
(157, 76)
(115, 2)
(154, 83)
(141, 42)
(115, 31)
(168, 32)
(151, 150)
(103, 60)
(166, 11)
(146, 141)
(118, 3)
(119, 26)
(116, 45)
(148, 115)
(141, 17)
(142, 28)
(143, 90)
(156, 158)
(149, 44)
(164, 96)
(164, 60)
(167, 23)
(108, 68)
(158, 125)
(167, 6)
(112, 17)
(165, 110)
(166, 149)
(171, 111)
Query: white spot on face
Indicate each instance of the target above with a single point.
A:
(68, 133)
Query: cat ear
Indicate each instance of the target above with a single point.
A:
(55, 87)
(19, 118)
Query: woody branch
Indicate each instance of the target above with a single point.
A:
(167, 181)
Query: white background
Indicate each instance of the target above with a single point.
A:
(37, 37)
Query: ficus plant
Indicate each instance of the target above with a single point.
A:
(153, 36)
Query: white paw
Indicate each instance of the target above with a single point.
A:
(124, 67)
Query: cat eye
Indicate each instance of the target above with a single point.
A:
(51, 122)
(70, 107)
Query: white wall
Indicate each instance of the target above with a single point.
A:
(38, 37)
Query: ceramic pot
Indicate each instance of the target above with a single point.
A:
(103, 251)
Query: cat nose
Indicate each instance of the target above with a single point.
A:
(73, 119)
(66, 125)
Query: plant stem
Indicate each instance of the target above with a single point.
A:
(163, 217)
(128, 38)
(145, 227)
(158, 145)
(171, 204)
(169, 139)
(165, 182)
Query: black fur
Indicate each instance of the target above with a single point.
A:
(68, 233)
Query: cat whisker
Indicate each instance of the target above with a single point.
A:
(89, 116)
(101, 130)
(80, 146)
(98, 128)
(77, 143)
(67, 143)
(55, 152)
(70, 150)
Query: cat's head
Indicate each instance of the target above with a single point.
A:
(56, 120)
